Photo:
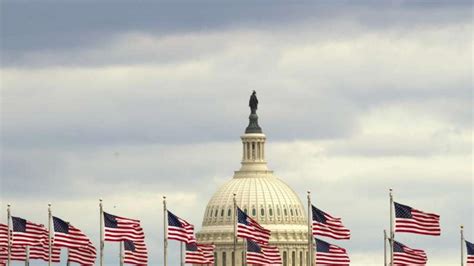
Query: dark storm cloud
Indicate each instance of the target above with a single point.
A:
(52, 26)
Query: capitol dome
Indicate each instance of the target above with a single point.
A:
(265, 198)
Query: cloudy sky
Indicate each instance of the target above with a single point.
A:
(131, 100)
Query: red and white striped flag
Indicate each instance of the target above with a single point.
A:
(135, 253)
(409, 220)
(18, 253)
(250, 229)
(26, 233)
(329, 254)
(326, 225)
(84, 256)
(208, 251)
(118, 229)
(470, 253)
(261, 254)
(179, 229)
(42, 253)
(3, 236)
(66, 235)
(199, 253)
(403, 255)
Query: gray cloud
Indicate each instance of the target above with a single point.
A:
(49, 27)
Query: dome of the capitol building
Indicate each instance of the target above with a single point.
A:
(264, 197)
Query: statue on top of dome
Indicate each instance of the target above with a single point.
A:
(253, 103)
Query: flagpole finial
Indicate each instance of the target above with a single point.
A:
(462, 226)
(9, 205)
(49, 204)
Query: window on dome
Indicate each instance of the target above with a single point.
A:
(254, 212)
(285, 212)
(301, 257)
(245, 211)
(210, 212)
(270, 211)
(291, 212)
(229, 212)
(222, 213)
(293, 258)
(278, 211)
(224, 259)
(215, 213)
(296, 211)
(262, 211)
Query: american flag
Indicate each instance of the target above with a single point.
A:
(403, 255)
(66, 235)
(409, 220)
(470, 253)
(326, 225)
(119, 229)
(42, 253)
(26, 233)
(179, 229)
(199, 253)
(261, 254)
(135, 253)
(250, 229)
(329, 254)
(84, 256)
(18, 253)
(3, 236)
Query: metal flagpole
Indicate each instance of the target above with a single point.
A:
(385, 247)
(101, 233)
(165, 235)
(49, 234)
(392, 233)
(9, 218)
(311, 254)
(68, 263)
(235, 230)
(27, 260)
(462, 245)
(121, 253)
(181, 253)
(245, 252)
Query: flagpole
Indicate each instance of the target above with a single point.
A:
(392, 233)
(9, 217)
(68, 263)
(27, 260)
(165, 235)
(235, 230)
(49, 234)
(385, 247)
(101, 233)
(121, 253)
(181, 253)
(311, 259)
(462, 245)
(245, 252)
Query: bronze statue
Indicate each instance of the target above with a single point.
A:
(253, 103)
